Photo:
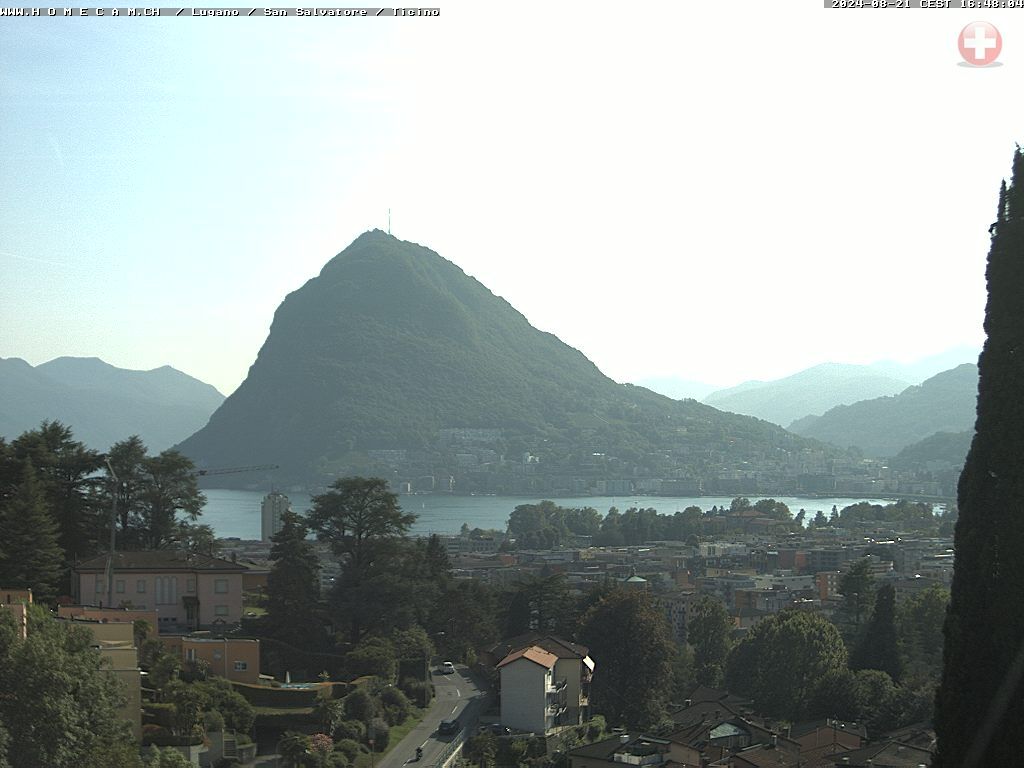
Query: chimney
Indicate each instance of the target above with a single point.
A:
(624, 738)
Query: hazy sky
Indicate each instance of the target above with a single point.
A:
(718, 192)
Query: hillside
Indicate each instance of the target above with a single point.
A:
(809, 392)
(102, 403)
(943, 449)
(394, 361)
(883, 426)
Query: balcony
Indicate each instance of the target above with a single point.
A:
(558, 686)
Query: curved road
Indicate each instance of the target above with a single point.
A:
(457, 695)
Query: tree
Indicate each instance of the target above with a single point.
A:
(31, 554)
(820, 521)
(783, 660)
(630, 641)
(295, 748)
(879, 646)
(363, 524)
(158, 499)
(920, 619)
(293, 585)
(58, 704)
(708, 627)
(857, 586)
(981, 698)
(65, 469)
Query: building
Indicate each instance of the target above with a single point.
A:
(187, 590)
(16, 602)
(531, 697)
(623, 750)
(573, 667)
(111, 615)
(232, 658)
(115, 642)
(274, 505)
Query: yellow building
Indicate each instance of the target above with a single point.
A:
(228, 657)
(116, 643)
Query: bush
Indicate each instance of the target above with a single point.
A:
(380, 731)
(213, 721)
(353, 730)
(396, 706)
(359, 705)
(278, 698)
(349, 748)
(417, 691)
(336, 760)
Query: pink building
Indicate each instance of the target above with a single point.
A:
(188, 591)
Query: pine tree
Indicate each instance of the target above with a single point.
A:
(293, 585)
(32, 557)
(980, 703)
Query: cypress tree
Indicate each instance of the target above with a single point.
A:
(980, 703)
(31, 557)
(879, 647)
(293, 585)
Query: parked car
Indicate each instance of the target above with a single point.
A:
(448, 668)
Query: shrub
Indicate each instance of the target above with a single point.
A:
(349, 748)
(395, 705)
(353, 730)
(359, 705)
(380, 732)
(417, 691)
(213, 721)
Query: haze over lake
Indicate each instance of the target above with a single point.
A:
(237, 513)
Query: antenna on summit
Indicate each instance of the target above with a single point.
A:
(389, 221)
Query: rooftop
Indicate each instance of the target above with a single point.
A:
(160, 560)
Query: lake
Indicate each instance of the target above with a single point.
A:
(237, 513)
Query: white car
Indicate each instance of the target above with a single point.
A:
(448, 668)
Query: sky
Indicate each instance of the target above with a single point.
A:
(712, 191)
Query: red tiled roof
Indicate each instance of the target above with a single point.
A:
(534, 654)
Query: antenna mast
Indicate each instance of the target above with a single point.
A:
(389, 221)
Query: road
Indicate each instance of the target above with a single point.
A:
(455, 695)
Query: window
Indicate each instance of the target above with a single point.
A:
(220, 586)
(166, 590)
(190, 654)
(190, 584)
(120, 586)
(99, 583)
(217, 655)
(221, 610)
(241, 666)
(140, 586)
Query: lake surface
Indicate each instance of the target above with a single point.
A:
(237, 513)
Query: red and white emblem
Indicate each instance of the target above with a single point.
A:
(980, 43)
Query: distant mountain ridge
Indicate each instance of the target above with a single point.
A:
(103, 403)
(811, 391)
(393, 361)
(884, 426)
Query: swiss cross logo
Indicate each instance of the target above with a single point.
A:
(980, 43)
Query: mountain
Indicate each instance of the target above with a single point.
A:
(677, 388)
(811, 391)
(943, 449)
(884, 426)
(917, 371)
(102, 403)
(395, 362)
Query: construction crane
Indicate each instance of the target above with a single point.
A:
(232, 470)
